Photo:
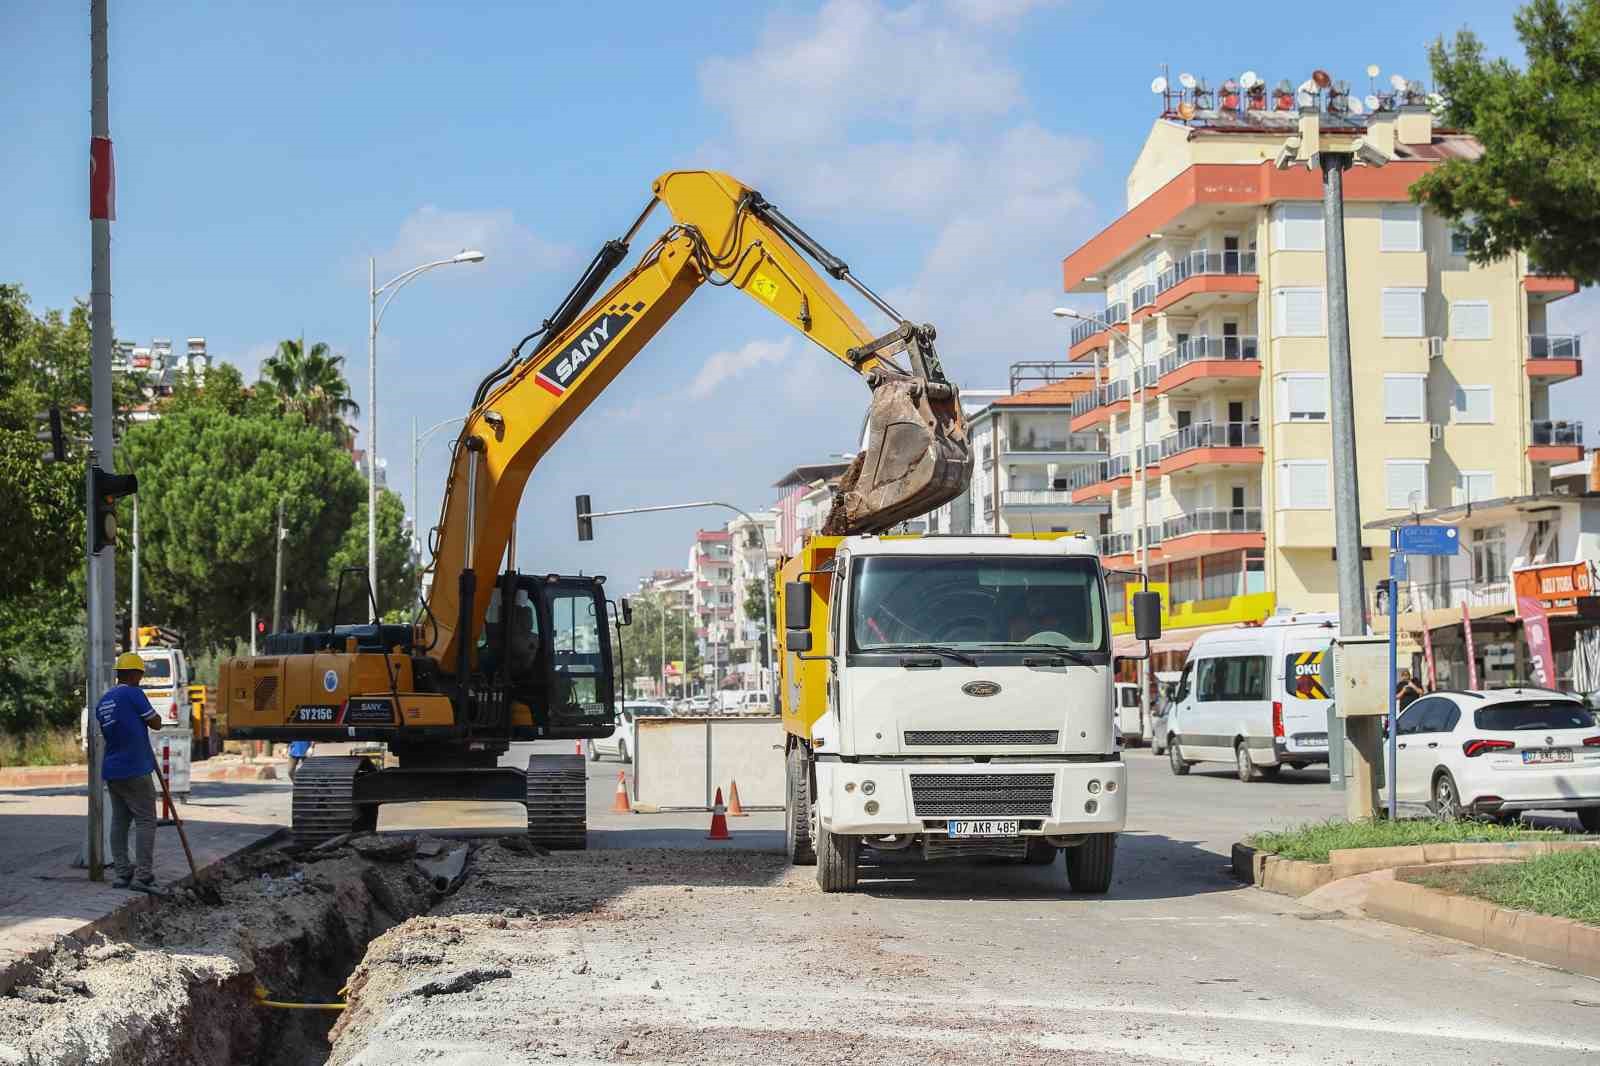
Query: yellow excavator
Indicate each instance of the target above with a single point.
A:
(499, 656)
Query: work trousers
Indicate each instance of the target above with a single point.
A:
(133, 801)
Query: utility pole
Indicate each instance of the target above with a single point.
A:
(277, 576)
(102, 577)
(133, 606)
(661, 612)
(252, 634)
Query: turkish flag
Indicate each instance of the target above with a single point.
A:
(102, 180)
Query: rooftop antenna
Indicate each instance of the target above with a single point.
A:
(1372, 77)
(1255, 92)
(1283, 96)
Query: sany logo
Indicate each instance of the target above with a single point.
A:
(580, 352)
(557, 375)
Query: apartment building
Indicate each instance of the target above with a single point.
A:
(1213, 373)
(753, 543)
(714, 599)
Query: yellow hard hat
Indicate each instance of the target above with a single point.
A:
(129, 660)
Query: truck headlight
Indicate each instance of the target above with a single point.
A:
(1094, 786)
(868, 788)
(871, 807)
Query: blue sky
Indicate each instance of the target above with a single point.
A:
(951, 151)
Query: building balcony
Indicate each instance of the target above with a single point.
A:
(1096, 406)
(1210, 444)
(1548, 288)
(1097, 481)
(1036, 498)
(1201, 362)
(1121, 550)
(1554, 358)
(1089, 335)
(1201, 280)
(1212, 530)
(1555, 442)
(1079, 448)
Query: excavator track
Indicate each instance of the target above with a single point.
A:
(324, 799)
(557, 802)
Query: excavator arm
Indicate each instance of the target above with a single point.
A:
(725, 234)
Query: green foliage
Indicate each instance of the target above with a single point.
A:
(397, 577)
(1536, 187)
(1311, 843)
(310, 383)
(753, 604)
(1565, 884)
(641, 642)
(42, 747)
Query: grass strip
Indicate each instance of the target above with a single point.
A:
(43, 748)
(1566, 884)
(1312, 843)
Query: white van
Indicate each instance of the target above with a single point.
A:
(1129, 722)
(1253, 696)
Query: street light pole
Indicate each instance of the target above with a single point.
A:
(374, 317)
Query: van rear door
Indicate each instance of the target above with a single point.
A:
(1305, 704)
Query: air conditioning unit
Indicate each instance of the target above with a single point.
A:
(1060, 483)
(1436, 431)
(1435, 347)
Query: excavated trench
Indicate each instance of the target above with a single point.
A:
(181, 981)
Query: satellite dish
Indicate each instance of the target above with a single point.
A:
(1372, 70)
(1187, 80)
(1322, 78)
(1186, 111)
(1397, 82)
(1355, 105)
(1249, 79)
(1159, 85)
(1372, 102)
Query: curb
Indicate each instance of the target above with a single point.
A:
(1560, 942)
(1291, 877)
(58, 776)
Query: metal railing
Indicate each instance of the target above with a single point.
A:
(1144, 296)
(1554, 346)
(1446, 595)
(1081, 477)
(1110, 392)
(1212, 435)
(1213, 520)
(1200, 262)
(1034, 497)
(1113, 315)
(1196, 349)
(1558, 433)
(1116, 543)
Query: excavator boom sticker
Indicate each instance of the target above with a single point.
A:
(568, 364)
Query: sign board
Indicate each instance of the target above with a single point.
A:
(1427, 540)
(1360, 681)
(1555, 588)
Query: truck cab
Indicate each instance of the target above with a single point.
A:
(950, 696)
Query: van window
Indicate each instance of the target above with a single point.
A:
(1233, 677)
(1302, 675)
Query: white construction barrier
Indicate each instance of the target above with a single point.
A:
(682, 761)
(171, 747)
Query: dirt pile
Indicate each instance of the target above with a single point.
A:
(176, 983)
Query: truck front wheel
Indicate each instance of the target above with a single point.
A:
(1089, 864)
(838, 856)
(797, 809)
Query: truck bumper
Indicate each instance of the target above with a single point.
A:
(1047, 798)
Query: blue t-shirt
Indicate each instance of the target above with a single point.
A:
(121, 714)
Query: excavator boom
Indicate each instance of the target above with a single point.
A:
(723, 233)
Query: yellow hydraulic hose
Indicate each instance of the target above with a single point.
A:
(261, 997)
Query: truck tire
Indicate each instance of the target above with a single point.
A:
(1040, 852)
(797, 809)
(838, 858)
(1089, 865)
(1589, 818)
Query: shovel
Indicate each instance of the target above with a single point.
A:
(204, 889)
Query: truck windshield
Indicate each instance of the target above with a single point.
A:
(968, 602)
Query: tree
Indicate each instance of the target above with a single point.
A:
(641, 642)
(397, 576)
(753, 604)
(310, 383)
(1536, 187)
(209, 486)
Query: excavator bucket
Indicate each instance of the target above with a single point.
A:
(917, 457)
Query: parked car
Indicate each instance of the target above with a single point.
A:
(1155, 728)
(1252, 695)
(624, 740)
(745, 701)
(693, 705)
(1128, 716)
(1500, 752)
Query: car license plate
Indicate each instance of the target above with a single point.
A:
(984, 827)
(1319, 740)
(1547, 755)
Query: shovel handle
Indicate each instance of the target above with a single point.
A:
(182, 836)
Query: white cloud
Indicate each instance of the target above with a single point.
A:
(990, 12)
(430, 233)
(726, 365)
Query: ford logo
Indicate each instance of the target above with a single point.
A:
(980, 688)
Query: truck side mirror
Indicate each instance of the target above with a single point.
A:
(798, 640)
(1147, 615)
(796, 605)
(625, 609)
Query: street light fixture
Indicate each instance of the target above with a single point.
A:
(374, 316)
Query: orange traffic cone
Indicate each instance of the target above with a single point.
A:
(719, 820)
(577, 746)
(620, 805)
(734, 810)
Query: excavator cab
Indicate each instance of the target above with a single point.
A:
(546, 645)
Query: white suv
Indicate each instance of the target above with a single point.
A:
(1500, 752)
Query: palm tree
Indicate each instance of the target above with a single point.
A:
(311, 384)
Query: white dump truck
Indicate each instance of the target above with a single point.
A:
(952, 695)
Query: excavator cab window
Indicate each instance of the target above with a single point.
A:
(581, 688)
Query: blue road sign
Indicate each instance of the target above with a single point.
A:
(1397, 567)
(1427, 540)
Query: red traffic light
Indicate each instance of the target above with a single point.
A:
(261, 625)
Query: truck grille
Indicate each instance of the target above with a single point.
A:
(982, 795)
(981, 736)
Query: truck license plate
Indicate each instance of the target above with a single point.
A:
(983, 827)
(1547, 755)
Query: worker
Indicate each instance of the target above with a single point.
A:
(124, 715)
(1041, 615)
(298, 751)
(1406, 691)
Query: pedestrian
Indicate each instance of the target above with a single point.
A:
(298, 750)
(1407, 690)
(126, 719)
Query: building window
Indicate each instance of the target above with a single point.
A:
(1297, 227)
(1303, 484)
(1403, 397)
(1302, 398)
(1224, 576)
(1406, 484)
(1401, 228)
(1402, 312)
(1488, 555)
(1458, 242)
(1475, 403)
(1183, 580)
(1255, 570)
(1470, 320)
(1297, 313)
(1475, 485)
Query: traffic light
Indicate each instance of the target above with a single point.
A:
(261, 627)
(106, 489)
(585, 523)
(50, 433)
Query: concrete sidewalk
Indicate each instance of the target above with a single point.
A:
(42, 830)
